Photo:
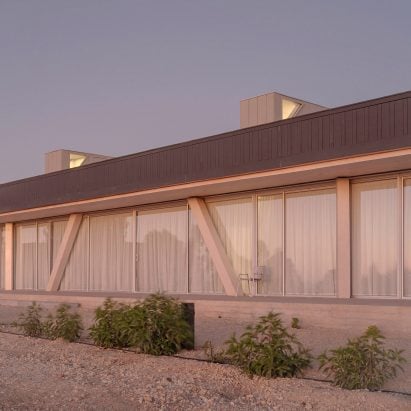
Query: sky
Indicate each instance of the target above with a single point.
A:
(120, 76)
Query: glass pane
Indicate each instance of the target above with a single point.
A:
(310, 230)
(203, 276)
(162, 250)
(2, 256)
(76, 273)
(25, 257)
(270, 243)
(375, 238)
(58, 228)
(407, 238)
(233, 220)
(111, 252)
(44, 255)
(289, 108)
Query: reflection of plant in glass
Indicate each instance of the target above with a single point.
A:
(363, 362)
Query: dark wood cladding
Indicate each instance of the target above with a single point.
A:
(372, 126)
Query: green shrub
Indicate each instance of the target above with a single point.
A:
(268, 350)
(156, 326)
(65, 325)
(110, 329)
(363, 362)
(30, 322)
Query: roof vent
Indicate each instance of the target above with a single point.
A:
(273, 107)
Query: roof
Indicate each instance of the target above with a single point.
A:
(372, 126)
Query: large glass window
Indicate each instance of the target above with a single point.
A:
(75, 276)
(36, 247)
(111, 252)
(162, 250)
(233, 220)
(310, 232)
(407, 237)
(2, 256)
(203, 277)
(375, 239)
(270, 243)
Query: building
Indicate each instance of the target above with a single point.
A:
(308, 215)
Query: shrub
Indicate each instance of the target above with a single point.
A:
(64, 325)
(110, 329)
(30, 322)
(363, 362)
(157, 326)
(268, 350)
(295, 323)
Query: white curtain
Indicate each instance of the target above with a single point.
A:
(375, 238)
(43, 254)
(162, 250)
(233, 220)
(270, 243)
(2, 256)
(203, 277)
(407, 238)
(310, 232)
(58, 228)
(111, 252)
(25, 258)
(76, 273)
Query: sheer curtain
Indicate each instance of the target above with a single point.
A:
(76, 273)
(2, 256)
(43, 254)
(407, 238)
(310, 232)
(111, 252)
(25, 256)
(270, 243)
(162, 250)
(203, 277)
(58, 228)
(375, 238)
(233, 220)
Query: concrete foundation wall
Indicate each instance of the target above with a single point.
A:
(325, 323)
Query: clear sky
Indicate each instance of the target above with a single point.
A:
(120, 76)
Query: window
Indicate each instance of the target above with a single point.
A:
(289, 108)
(375, 238)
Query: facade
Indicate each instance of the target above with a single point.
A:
(309, 215)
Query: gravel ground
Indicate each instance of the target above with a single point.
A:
(49, 375)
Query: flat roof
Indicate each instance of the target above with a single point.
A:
(372, 126)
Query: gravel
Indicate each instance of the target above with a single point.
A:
(49, 375)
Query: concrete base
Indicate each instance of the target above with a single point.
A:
(325, 323)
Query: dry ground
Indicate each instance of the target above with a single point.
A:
(52, 375)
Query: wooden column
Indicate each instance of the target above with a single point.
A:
(215, 247)
(343, 239)
(9, 256)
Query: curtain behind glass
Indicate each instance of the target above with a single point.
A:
(162, 250)
(233, 220)
(270, 243)
(44, 255)
(2, 256)
(310, 230)
(374, 238)
(58, 228)
(76, 272)
(25, 257)
(111, 252)
(203, 277)
(407, 238)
